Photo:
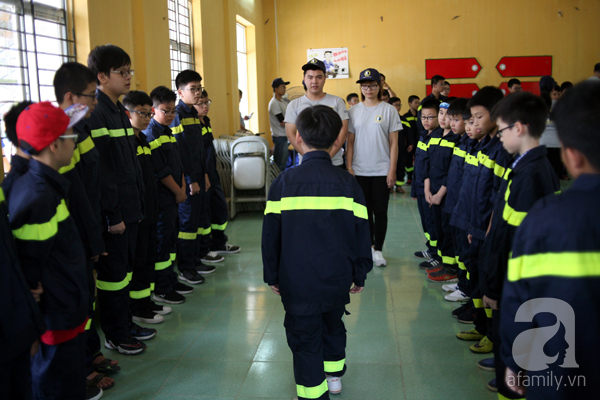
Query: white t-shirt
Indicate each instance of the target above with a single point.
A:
(298, 105)
(550, 136)
(372, 127)
(276, 107)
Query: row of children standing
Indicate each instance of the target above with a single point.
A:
(138, 191)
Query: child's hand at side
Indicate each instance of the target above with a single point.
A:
(275, 289)
(356, 289)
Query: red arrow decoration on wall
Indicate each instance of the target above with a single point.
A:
(532, 87)
(525, 66)
(466, 90)
(452, 68)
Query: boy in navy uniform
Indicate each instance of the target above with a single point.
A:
(411, 117)
(50, 250)
(405, 145)
(521, 119)
(314, 282)
(188, 132)
(430, 110)
(121, 195)
(555, 264)
(171, 192)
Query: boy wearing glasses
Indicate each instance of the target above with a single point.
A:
(188, 132)
(437, 87)
(168, 173)
(50, 251)
(121, 195)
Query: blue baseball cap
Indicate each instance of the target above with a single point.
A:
(315, 64)
(369, 74)
(278, 82)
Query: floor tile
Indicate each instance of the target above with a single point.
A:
(381, 349)
(269, 380)
(228, 346)
(374, 322)
(238, 321)
(264, 301)
(273, 347)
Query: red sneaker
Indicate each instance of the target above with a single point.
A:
(443, 275)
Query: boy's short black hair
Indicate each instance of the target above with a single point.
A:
(457, 107)
(557, 88)
(566, 85)
(392, 100)
(467, 114)
(449, 100)
(71, 77)
(351, 96)
(187, 76)
(204, 94)
(512, 82)
(162, 95)
(136, 98)
(431, 104)
(385, 92)
(10, 121)
(577, 118)
(413, 97)
(446, 83)
(436, 78)
(106, 58)
(523, 107)
(319, 126)
(382, 75)
(597, 67)
(487, 97)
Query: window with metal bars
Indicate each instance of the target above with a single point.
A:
(180, 33)
(34, 43)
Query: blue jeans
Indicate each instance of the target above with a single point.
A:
(280, 155)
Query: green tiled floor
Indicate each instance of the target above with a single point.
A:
(227, 341)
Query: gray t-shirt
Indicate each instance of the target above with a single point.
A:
(276, 107)
(296, 106)
(371, 127)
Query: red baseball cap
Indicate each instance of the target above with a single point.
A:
(40, 124)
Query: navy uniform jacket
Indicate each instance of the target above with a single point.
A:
(557, 256)
(21, 322)
(487, 185)
(405, 136)
(412, 120)
(18, 167)
(121, 175)
(315, 239)
(461, 215)
(48, 245)
(455, 172)
(209, 148)
(165, 158)
(188, 132)
(418, 185)
(146, 159)
(437, 160)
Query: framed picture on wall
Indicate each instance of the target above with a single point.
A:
(335, 59)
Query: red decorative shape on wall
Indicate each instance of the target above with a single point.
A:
(452, 68)
(525, 66)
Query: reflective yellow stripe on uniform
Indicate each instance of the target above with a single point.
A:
(45, 230)
(219, 227)
(159, 266)
(114, 286)
(427, 236)
(143, 150)
(206, 130)
(410, 169)
(172, 256)
(74, 160)
(564, 265)
(140, 294)
(334, 366)
(499, 170)
(187, 235)
(399, 183)
(190, 121)
(2, 198)
(316, 203)
(204, 231)
(434, 142)
(471, 159)
(445, 143)
(422, 146)
(433, 242)
(86, 145)
(405, 123)
(159, 142)
(411, 118)
(448, 260)
(419, 108)
(88, 325)
(312, 392)
(177, 129)
(488, 312)
(460, 153)
(478, 303)
(461, 264)
(112, 132)
(509, 214)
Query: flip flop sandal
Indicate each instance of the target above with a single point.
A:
(93, 383)
(105, 366)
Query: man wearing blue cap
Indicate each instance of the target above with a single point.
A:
(314, 79)
(277, 108)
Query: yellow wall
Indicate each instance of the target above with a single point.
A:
(412, 31)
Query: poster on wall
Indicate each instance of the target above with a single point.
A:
(335, 59)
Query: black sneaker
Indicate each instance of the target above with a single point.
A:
(191, 277)
(212, 257)
(169, 298)
(93, 393)
(158, 309)
(430, 264)
(423, 254)
(468, 316)
(141, 333)
(182, 288)
(205, 269)
(147, 316)
(227, 249)
(128, 346)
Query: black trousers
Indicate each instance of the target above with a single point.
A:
(191, 228)
(15, 379)
(92, 339)
(114, 274)
(461, 252)
(218, 212)
(142, 279)
(410, 157)
(555, 160)
(429, 226)
(377, 197)
(445, 248)
(318, 344)
(58, 371)
(503, 388)
(481, 323)
(167, 230)
(401, 164)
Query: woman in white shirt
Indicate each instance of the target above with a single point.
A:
(372, 154)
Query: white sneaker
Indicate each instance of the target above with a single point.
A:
(450, 288)
(378, 258)
(456, 296)
(334, 384)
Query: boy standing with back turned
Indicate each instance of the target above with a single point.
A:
(322, 207)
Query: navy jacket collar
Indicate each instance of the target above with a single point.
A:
(316, 155)
(58, 182)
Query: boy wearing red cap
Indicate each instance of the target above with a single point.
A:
(50, 250)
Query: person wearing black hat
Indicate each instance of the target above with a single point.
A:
(373, 154)
(315, 75)
(277, 107)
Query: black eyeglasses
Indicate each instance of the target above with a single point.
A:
(195, 90)
(167, 112)
(369, 87)
(503, 129)
(143, 114)
(204, 103)
(90, 96)
(123, 73)
(423, 117)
